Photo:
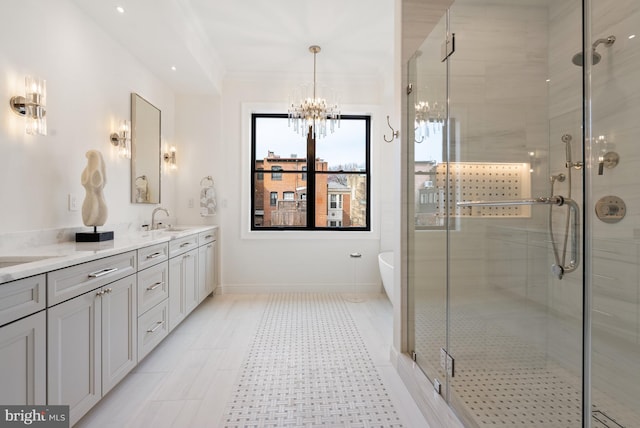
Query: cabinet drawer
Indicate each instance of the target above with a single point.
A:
(152, 255)
(182, 245)
(152, 328)
(208, 236)
(21, 298)
(153, 287)
(73, 281)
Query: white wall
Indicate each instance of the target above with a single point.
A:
(199, 153)
(90, 77)
(89, 81)
(296, 261)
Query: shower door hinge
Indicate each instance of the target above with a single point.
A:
(414, 356)
(437, 386)
(409, 88)
(448, 47)
(447, 362)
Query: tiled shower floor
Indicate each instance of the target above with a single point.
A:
(501, 381)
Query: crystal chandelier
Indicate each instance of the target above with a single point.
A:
(429, 116)
(309, 111)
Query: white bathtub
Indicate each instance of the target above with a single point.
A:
(385, 262)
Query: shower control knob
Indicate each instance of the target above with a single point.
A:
(610, 209)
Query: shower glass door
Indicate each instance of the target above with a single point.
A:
(613, 197)
(427, 221)
(515, 283)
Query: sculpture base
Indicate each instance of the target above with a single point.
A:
(94, 236)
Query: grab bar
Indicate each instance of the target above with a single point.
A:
(574, 210)
(553, 200)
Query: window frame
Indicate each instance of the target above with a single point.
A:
(310, 175)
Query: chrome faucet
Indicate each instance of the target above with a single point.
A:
(154, 225)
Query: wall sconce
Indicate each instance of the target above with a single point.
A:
(170, 158)
(32, 105)
(121, 138)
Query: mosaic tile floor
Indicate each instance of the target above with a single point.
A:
(308, 367)
(503, 381)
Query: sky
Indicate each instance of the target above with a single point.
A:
(345, 146)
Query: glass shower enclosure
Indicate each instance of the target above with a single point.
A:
(523, 218)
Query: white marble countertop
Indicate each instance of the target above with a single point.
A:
(57, 256)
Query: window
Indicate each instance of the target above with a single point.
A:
(325, 183)
(335, 201)
(276, 176)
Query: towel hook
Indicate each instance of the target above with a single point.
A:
(396, 134)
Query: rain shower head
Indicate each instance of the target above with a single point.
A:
(578, 59)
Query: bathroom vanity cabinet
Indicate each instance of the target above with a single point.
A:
(91, 337)
(23, 341)
(153, 295)
(70, 333)
(207, 272)
(183, 278)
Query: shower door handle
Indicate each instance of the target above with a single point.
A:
(574, 211)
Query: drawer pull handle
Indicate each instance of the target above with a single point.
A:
(208, 237)
(108, 290)
(100, 293)
(154, 286)
(186, 244)
(210, 246)
(158, 325)
(99, 273)
(154, 255)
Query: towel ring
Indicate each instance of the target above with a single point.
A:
(207, 178)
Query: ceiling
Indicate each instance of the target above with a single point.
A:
(208, 41)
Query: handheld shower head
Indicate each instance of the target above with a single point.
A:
(566, 138)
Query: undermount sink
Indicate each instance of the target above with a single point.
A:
(7, 261)
(176, 229)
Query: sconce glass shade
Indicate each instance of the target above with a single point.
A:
(121, 138)
(33, 105)
(170, 158)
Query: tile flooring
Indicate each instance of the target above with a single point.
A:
(265, 361)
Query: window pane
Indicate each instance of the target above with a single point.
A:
(346, 148)
(275, 139)
(341, 200)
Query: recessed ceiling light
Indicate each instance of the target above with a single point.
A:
(632, 36)
(120, 9)
(548, 80)
(173, 67)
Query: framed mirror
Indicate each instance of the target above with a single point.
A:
(145, 151)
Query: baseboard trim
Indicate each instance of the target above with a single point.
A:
(298, 288)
